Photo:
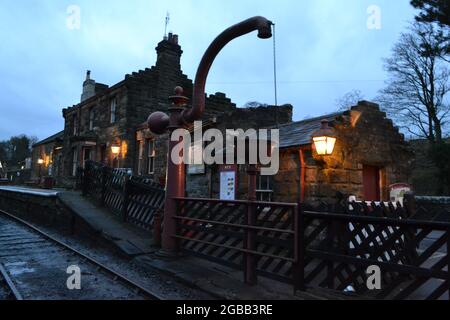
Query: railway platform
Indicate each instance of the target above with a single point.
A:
(215, 279)
(137, 244)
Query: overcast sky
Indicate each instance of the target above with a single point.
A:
(324, 50)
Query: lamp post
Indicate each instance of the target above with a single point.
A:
(324, 139)
(179, 116)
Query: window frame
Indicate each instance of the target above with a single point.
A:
(264, 189)
(75, 124)
(141, 152)
(91, 118)
(150, 163)
(113, 111)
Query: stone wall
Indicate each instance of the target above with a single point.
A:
(137, 96)
(364, 137)
(43, 210)
(208, 184)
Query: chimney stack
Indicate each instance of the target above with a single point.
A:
(88, 87)
(169, 52)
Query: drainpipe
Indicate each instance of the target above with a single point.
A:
(302, 174)
(180, 116)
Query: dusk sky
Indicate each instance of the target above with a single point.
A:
(324, 50)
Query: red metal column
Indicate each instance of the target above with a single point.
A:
(175, 186)
(250, 239)
(159, 122)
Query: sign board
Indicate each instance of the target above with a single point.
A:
(397, 192)
(228, 182)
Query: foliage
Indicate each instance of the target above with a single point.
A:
(255, 104)
(440, 154)
(349, 99)
(14, 151)
(416, 91)
(437, 13)
(433, 11)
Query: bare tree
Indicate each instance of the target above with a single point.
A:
(255, 104)
(349, 99)
(416, 92)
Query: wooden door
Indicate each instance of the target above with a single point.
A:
(371, 183)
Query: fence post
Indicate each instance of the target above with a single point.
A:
(126, 197)
(250, 234)
(104, 180)
(448, 262)
(329, 263)
(299, 249)
(409, 204)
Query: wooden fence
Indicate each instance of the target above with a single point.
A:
(322, 249)
(255, 236)
(132, 198)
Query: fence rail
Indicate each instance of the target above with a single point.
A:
(255, 236)
(132, 198)
(309, 248)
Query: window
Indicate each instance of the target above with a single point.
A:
(113, 110)
(140, 156)
(91, 118)
(74, 161)
(150, 156)
(75, 125)
(264, 188)
(87, 156)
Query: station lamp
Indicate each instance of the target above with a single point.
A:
(115, 149)
(324, 139)
(40, 161)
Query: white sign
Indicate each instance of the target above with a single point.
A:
(227, 185)
(397, 192)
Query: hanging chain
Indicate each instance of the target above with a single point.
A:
(275, 75)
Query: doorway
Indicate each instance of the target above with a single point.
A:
(87, 155)
(371, 183)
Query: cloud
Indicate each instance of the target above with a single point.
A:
(324, 50)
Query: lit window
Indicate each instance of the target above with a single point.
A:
(150, 156)
(141, 156)
(113, 110)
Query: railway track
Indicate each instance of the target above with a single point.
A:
(36, 266)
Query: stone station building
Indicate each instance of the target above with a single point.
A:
(108, 126)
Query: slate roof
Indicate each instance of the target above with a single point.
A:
(52, 138)
(300, 133)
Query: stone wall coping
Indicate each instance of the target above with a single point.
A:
(433, 199)
(30, 191)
